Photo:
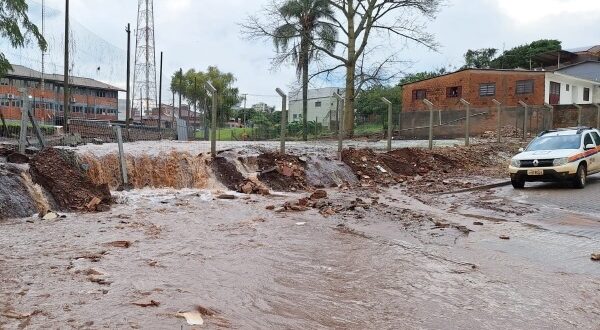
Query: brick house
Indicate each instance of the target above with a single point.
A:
(477, 86)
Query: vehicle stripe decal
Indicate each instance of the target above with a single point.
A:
(585, 154)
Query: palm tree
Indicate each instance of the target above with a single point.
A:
(307, 22)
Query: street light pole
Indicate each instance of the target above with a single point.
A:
(66, 103)
(128, 105)
(283, 119)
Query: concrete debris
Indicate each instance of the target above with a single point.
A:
(192, 318)
(226, 196)
(505, 237)
(318, 194)
(596, 256)
(50, 216)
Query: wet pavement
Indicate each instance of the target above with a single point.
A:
(397, 263)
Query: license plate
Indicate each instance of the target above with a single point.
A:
(535, 172)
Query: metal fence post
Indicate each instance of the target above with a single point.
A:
(23, 132)
(430, 107)
(549, 125)
(597, 115)
(467, 122)
(340, 125)
(283, 119)
(525, 119)
(213, 133)
(499, 119)
(122, 159)
(579, 114)
(390, 130)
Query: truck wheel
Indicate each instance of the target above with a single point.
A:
(581, 177)
(517, 183)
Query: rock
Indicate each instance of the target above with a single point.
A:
(93, 203)
(119, 244)
(505, 237)
(97, 141)
(146, 303)
(478, 223)
(247, 188)
(103, 208)
(226, 196)
(17, 158)
(50, 216)
(596, 256)
(318, 194)
(270, 207)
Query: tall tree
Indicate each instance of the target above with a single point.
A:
(524, 56)
(296, 26)
(360, 21)
(479, 58)
(17, 28)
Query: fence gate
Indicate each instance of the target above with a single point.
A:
(182, 131)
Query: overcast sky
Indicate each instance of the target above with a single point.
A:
(199, 33)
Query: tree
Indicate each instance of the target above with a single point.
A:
(359, 21)
(191, 86)
(418, 76)
(16, 26)
(480, 58)
(369, 101)
(304, 24)
(523, 56)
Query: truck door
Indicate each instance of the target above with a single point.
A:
(596, 157)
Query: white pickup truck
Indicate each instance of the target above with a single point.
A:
(569, 154)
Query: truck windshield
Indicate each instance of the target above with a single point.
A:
(555, 142)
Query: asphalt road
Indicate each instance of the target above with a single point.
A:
(563, 196)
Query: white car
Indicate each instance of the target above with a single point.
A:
(559, 155)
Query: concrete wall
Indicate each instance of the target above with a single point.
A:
(469, 81)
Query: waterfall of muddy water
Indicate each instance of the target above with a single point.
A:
(19, 196)
(166, 170)
(325, 172)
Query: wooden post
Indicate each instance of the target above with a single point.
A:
(283, 121)
(122, 159)
(390, 125)
(36, 127)
(430, 107)
(213, 133)
(467, 122)
(499, 119)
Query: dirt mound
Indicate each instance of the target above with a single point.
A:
(367, 165)
(282, 172)
(57, 171)
(15, 197)
(227, 173)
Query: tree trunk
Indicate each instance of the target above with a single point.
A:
(304, 59)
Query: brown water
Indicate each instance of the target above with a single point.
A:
(387, 268)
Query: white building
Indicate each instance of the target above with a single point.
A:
(578, 83)
(263, 107)
(322, 105)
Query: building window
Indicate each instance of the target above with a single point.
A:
(4, 82)
(419, 94)
(318, 104)
(487, 89)
(454, 92)
(295, 116)
(568, 87)
(100, 93)
(524, 87)
(586, 94)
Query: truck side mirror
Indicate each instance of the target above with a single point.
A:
(590, 147)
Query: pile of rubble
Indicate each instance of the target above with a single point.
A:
(282, 172)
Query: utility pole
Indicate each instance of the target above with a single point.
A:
(195, 106)
(141, 107)
(128, 105)
(173, 111)
(245, 97)
(160, 95)
(66, 99)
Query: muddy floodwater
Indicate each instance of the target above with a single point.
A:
(392, 263)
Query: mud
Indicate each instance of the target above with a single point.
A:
(282, 172)
(15, 195)
(58, 173)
